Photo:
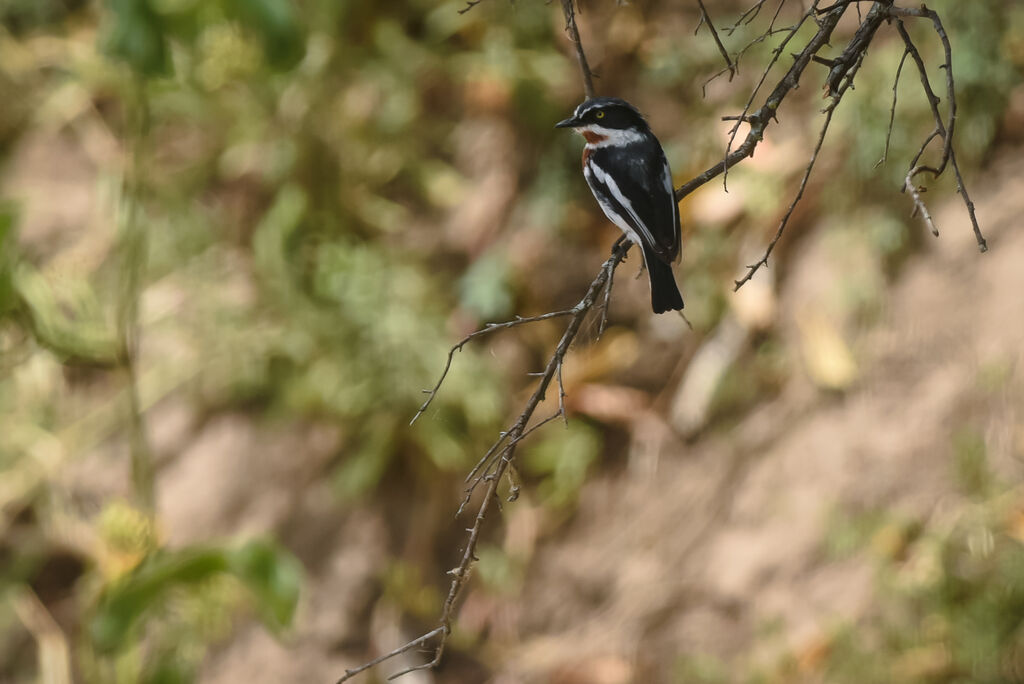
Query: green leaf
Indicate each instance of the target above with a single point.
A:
(269, 572)
(274, 576)
(275, 21)
(66, 316)
(485, 289)
(7, 222)
(136, 35)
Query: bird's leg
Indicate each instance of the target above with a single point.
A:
(618, 244)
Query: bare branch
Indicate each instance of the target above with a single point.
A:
(892, 110)
(942, 129)
(746, 17)
(706, 19)
(843, 70)
(857, 47)
(760, 119)
(489, 328)
(387, 656)
(470, 4)
(499, 457)
(919, 205)
(607, 299)
(574, 34)
(764, 75)
(763, 261)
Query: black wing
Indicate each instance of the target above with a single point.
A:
(642, 192)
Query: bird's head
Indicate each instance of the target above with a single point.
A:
(603, 117)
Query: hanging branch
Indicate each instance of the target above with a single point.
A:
(498, 461)
(942, 130)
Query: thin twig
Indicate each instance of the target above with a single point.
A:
(496, 462)
(846, 66)
(737, 57)
(574, 34)
(607, 300)
(489, 328)
(892, 109)
(706, 19)
(418, 641)
(561, 395)
(942, 129)
(760, 119)
(764, 75)
(746, 17)
(470, 4)
(919, 205)
(763, 261)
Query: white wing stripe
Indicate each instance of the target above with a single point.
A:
(613, 187)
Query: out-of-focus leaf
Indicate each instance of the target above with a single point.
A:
(563, 458)
(485, 289)
(169, 668)
(7, 223)
(278, 27)
(827, 357)
(68, 321)
(270, 573)
(136, 36)
(273, 575)
(271, 238)
(366, 464)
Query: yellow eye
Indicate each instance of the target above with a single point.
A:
(599, 115)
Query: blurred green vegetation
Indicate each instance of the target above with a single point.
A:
(277, 223)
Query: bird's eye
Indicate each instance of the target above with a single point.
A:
(599, 115)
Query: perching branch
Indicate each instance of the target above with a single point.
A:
(499, 460)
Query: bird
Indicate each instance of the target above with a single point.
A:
(627, 171)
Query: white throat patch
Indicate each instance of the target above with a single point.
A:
(613, 137)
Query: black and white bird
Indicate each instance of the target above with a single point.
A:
(626, 170)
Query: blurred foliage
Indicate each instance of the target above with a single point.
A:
(192, 575)
(950, 606)
(292, 176)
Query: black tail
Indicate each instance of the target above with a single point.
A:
(664, 293)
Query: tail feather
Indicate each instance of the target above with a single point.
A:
(664, 292)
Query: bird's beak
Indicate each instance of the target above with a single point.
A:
(571, 122)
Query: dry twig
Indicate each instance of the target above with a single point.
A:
(942, 129)
(470, 4)
(705, 18)
(574, 34)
